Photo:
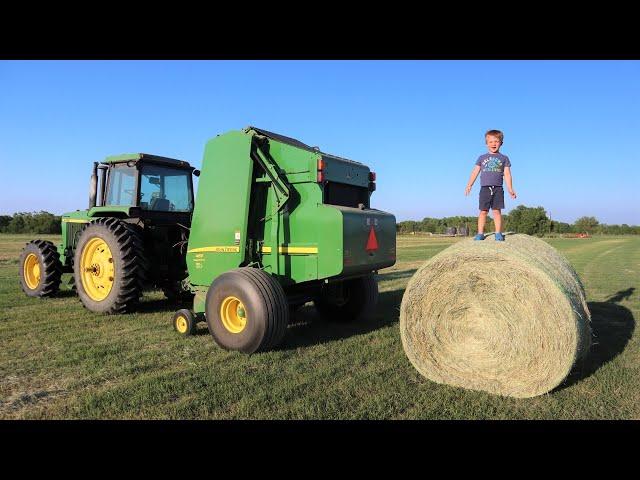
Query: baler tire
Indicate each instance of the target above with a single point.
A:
(130, 266)
(40, 269)
(362, 297)
(257, 296)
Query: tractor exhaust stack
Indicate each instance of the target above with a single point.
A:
(93, 186)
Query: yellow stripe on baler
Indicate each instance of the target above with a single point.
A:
(231, 249)
(292, 250)
(265, 249)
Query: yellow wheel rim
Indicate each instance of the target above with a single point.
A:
(233, 314)
(97, 270)
(31, 271)
(182, 324)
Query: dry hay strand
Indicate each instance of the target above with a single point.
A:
(508, 318)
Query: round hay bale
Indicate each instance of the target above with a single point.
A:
(509, 318)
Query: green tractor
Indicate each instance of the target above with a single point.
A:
(132, 236)
(276, 224)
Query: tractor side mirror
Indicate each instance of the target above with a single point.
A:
(196, 172)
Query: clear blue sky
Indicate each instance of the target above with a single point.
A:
(571, 127)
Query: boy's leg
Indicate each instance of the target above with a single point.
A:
(484, 203)
(497, 219)
(497, 203)
(482, 220)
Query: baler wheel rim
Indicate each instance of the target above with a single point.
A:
(182, 324)
(233, 314)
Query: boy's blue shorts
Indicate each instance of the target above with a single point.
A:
(491, 198)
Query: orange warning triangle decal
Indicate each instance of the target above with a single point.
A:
(372, 242)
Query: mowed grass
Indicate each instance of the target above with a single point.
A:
(60, 361)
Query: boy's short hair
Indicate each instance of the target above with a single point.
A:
(495, 133)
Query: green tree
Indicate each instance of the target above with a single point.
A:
(586, 224)
(561, 227)
(4, 222)
(532, 221)
(36, 222)
(407, 226)
(429, 225)
(16, 225)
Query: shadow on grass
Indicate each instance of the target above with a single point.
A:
(307, 328)
(396, 275)
(621, 295)
(162, 305)
(65, 294)
(613, 327)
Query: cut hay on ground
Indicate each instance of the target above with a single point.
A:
(509, 318)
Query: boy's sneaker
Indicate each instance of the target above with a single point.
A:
(499, 237)
(479, 236)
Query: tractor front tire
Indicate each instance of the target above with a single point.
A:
(110, 266)
(349, 300)
(247, 310)
(40, 269)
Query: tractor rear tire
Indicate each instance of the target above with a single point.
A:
(110, 267)
(351, 301)
(247, 310)
(40, 269)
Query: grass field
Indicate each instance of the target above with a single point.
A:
(59, 361)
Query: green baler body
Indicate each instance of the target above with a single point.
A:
(241, 217)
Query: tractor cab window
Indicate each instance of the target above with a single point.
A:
(122, 185)
(165, 189)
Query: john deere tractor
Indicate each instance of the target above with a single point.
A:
(132, 236)
(277, 223)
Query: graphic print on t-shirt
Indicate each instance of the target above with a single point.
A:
(492, 164)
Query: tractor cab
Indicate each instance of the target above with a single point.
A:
(151, 192)
(148, 182)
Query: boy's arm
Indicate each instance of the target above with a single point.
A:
(474, 175)
(509, 179)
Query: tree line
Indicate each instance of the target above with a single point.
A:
(30, 222)
(522, 219)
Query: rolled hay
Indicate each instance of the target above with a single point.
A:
(508, 318)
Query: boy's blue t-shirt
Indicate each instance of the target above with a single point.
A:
(492, 168)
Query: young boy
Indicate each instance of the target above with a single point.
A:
(493, 166)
